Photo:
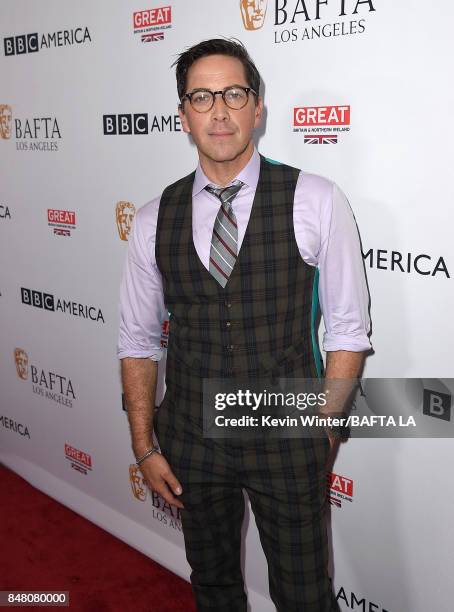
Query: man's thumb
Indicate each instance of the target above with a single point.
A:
(174, 485)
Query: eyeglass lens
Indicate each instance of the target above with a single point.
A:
(234, 97)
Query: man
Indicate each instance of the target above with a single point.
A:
(233, 252)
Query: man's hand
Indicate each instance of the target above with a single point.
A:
(343, 368)
(139, 378)
(161, 479)
(332, 439)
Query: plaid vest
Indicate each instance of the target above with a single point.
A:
(263, 322)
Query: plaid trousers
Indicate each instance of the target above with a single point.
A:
(286, 483)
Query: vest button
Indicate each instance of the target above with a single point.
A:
(229, 347)
(228, 324)
(228, 304)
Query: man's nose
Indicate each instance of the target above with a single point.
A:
(220, 110)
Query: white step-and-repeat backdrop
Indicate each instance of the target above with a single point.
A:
(360, 91)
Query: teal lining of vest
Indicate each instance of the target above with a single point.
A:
(273, 161)
(315, 349)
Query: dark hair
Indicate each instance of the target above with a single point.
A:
(215, 46)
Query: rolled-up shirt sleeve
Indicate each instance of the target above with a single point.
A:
(343, 293)
(142, 308)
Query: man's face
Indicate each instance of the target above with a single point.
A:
(253, 13)
(220, 134)
(5, 121)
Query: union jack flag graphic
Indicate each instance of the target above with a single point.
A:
(61, 232)
(321, 139)
(79, 468)
(153, 36)
(334, 502)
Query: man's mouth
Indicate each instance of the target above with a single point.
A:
(221, 134)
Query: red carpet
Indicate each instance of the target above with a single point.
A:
(46, 546)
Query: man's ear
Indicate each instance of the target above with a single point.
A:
(183, 119)
(258, 112)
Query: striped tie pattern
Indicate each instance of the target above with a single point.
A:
(224, 242)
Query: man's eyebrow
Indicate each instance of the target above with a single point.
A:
(208, 89)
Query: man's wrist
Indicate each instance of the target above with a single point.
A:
(148, 453)
(335, 425)
(338, 432)
(142, 447)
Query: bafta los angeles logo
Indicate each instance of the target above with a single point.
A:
(138, 485)
(253, 13)
(21, 359)
(5, 121)
(124, 212)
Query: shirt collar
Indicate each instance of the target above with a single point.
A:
(249, 175)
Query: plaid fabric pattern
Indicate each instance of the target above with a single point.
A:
(258, 325)
(260, 322)
(286, 484)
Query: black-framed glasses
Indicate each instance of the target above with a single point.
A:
(234, 96)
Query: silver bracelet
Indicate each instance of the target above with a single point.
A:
(155, 449)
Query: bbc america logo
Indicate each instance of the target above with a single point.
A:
(37, 299)
(31, 43)
(139, 123)
(16, 45)
(47, 301)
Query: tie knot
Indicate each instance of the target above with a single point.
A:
(225, 194)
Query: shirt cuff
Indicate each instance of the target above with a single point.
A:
(343, 342)
(153, 354)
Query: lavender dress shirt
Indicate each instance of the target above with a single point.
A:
(326, 236)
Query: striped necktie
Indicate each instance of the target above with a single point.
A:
(224, 242)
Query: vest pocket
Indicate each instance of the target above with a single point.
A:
(273, 365)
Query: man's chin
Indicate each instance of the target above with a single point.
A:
(225, 154)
